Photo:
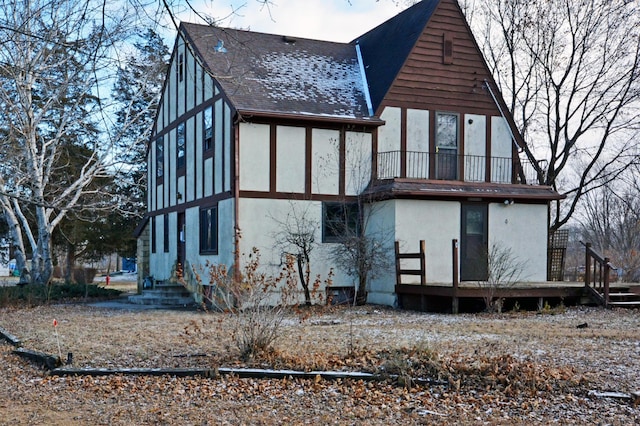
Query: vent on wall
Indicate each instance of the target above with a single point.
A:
(447, 49)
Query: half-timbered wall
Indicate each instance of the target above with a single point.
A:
(205, 178)
(303, 162)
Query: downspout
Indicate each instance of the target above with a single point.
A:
(495, 100)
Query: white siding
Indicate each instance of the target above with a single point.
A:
(389, 134)
(501, 146)
(357, 162)
(254, 157)
(208, 177)
(190, 75)
(290, 159)
(417, 130)
(382, 226)
(523, 228)
(417, 142)
(219, 146)
(259, 226)
(436, 222)
(325, 154)
(475, 146)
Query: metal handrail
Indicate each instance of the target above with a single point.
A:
(452, 166)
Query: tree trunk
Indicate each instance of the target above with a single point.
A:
(361, 294)
(303, 281)
(70, 262)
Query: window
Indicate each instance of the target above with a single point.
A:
(339, 221)
(209, 230)
(159, 157)
(446, 146)
(153, 234)
(207, 125)
(166, 233)
(180, 146)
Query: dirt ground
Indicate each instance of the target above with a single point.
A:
(513, 368)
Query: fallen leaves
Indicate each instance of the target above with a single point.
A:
(515, 369)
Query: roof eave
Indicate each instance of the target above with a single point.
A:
(246, 114)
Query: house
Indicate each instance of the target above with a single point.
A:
(253, 126)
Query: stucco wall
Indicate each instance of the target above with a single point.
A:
(523, 228)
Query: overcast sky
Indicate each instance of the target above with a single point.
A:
(332, 20)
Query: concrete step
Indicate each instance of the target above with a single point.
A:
(142, 299)
(182, 292)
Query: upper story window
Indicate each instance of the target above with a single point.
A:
(180, 146)
(339, 221)
(446, 146)
(160, 158)
(207, 125)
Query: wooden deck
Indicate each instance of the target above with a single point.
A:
(469, 296)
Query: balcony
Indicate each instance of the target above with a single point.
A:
(447, 166)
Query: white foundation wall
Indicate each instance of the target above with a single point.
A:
(435, 222)
(523, 229)
(225, 237)
(260, 228)
(161, 262)
(381, 226)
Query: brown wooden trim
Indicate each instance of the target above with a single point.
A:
(223, 137)
(216, 198)
(374, 155)
(308, 184)
(403, 142)
(273, 158)
(342, 148)
(461, 147)
(432, 143)
(251, 115)
(298, 196)
(488, 148)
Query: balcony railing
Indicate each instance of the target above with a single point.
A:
(447, 166)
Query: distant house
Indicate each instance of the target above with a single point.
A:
(253, 125)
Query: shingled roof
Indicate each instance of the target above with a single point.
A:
(266, 73)
(275, 74)
(386, 47)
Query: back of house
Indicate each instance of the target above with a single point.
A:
(400, 135)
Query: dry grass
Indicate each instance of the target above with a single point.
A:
(515, 368)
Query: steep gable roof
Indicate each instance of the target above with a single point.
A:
(386, 47)
(266, 73)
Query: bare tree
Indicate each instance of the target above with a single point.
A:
(610, 220)
(570, 73)
(53, 57)
(296, 237)
(504, 270)
(363, 249)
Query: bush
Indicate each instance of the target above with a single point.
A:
(258, 303)
(34, 295)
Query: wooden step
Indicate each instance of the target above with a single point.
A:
(632, 304)
(623, 295)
